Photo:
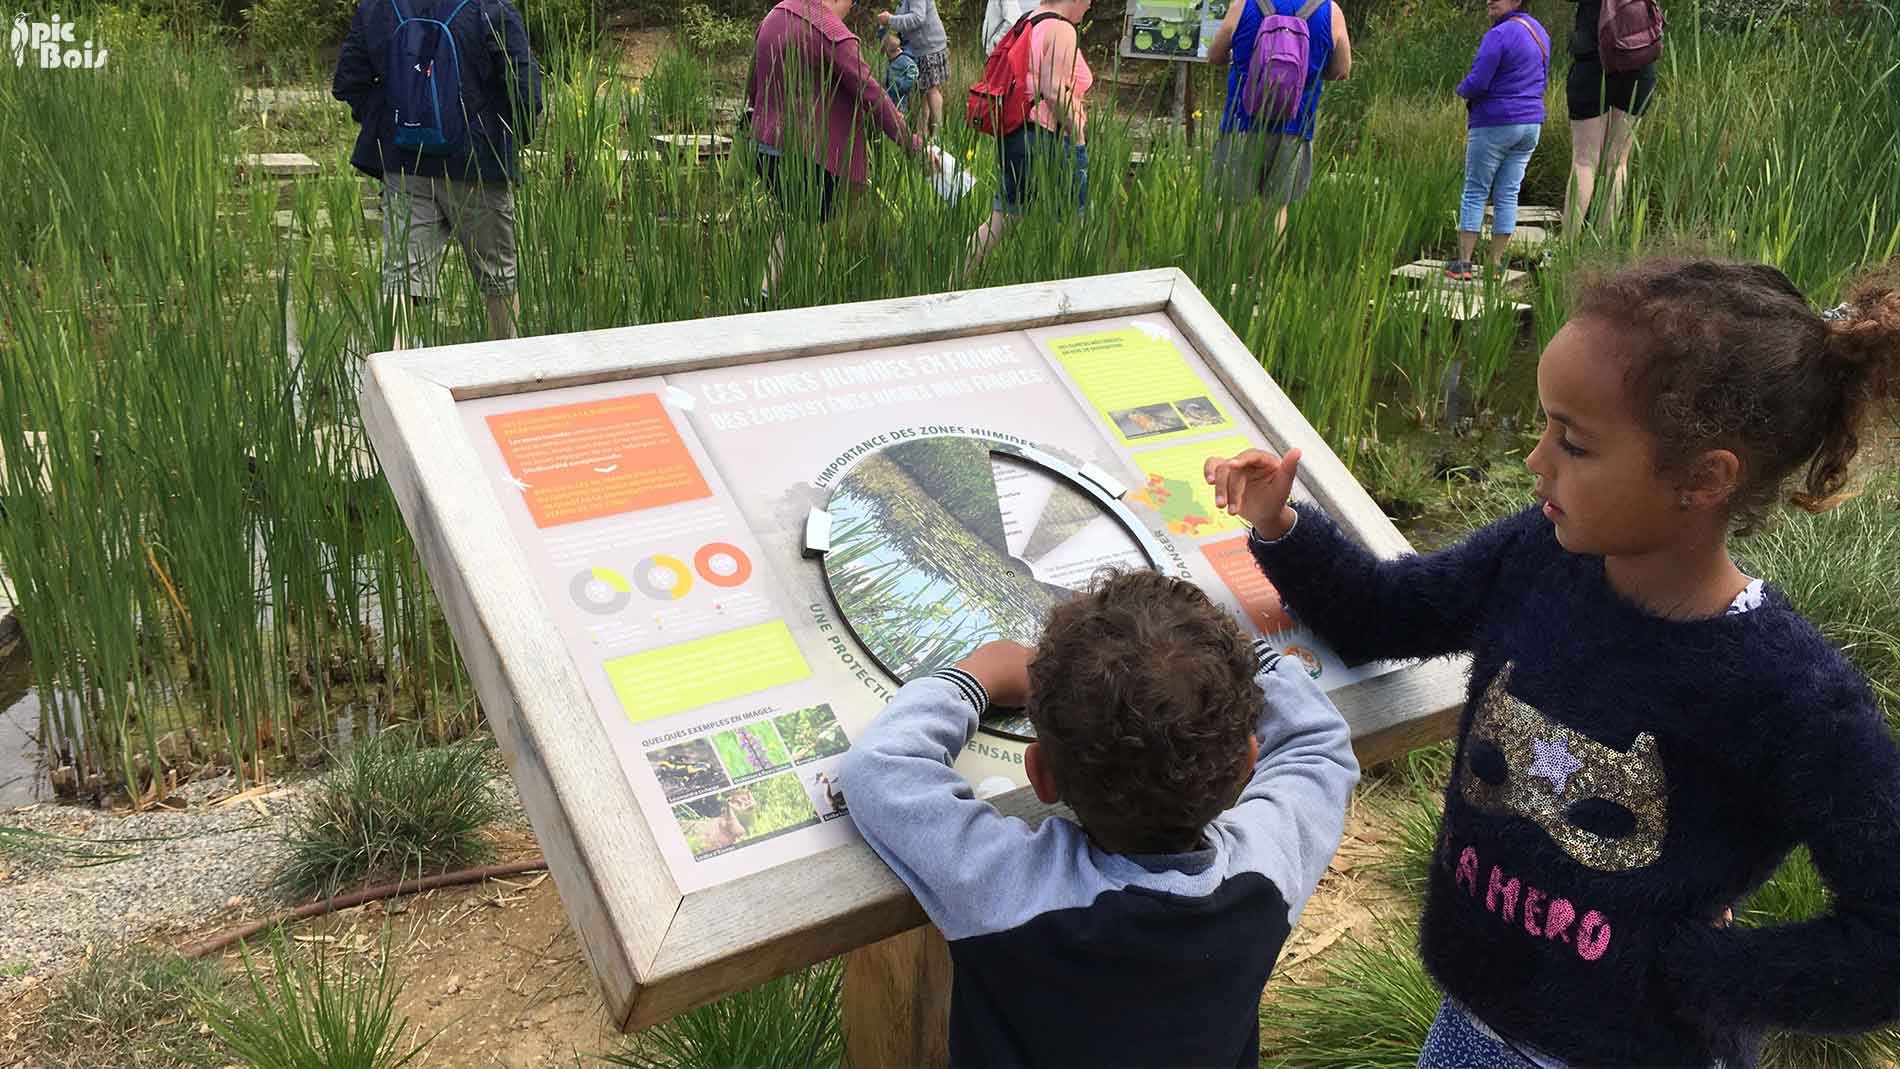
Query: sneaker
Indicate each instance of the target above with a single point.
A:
(1461, 270)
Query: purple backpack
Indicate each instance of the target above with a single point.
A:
(1276, 75)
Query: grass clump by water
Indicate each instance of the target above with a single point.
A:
(393, 810)
(787, 1023)
(328, 1013)
(128, 1007)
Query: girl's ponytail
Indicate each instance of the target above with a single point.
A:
(1862, 352)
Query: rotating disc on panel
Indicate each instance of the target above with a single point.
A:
(933, 546)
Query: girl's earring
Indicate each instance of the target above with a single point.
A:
(1682, 502)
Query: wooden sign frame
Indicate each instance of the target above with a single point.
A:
(655, 951)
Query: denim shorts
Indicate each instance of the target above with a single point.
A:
(1033, 152)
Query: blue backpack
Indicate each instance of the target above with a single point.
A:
(425, 85)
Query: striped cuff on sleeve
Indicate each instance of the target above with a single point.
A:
(1265, 656)
(966, 685)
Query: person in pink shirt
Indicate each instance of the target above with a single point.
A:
(1053, 142)
(807, 97)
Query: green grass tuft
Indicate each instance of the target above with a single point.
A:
(325, 1014)
(787, 1023)
(1841, 569)
(391, 811)
(1370, 1008)
(130, 1007)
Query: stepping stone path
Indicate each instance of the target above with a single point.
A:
(1532, 214)
(1458, 305)
(278, 165)
(1431, 273)
(1454, 299)
(708, 146)
(1525, 240)
(273, 98)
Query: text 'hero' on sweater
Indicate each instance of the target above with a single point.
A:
(1066, 955)
(1620, 780)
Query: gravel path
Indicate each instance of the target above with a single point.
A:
(201, 868)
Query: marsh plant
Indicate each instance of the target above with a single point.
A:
(210, 545)
(327, 1011)
(393, 810)
(788, 1023)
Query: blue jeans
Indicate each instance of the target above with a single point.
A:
(1032, 151)
(1495, 158)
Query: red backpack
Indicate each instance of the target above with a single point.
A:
(1629, 35)
(999, 101)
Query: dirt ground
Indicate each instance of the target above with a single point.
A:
(496, 971)
(496, 976)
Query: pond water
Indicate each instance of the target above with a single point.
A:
(22, 776)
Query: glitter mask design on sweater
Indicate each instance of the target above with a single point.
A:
(1607, 808)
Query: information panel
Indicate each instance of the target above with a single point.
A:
(743, 563)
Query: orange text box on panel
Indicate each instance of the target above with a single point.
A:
(1258, 599)
(597, 458)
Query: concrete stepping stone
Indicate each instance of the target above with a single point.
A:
(279, 165)
(1458, 305)
(1431, 273)
(1532, 215)
(706, 145)
(1528, 215)
(1525, 240)
(273, 98)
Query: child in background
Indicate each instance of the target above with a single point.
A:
(900, 70)
(1209, 780)
(916, 22)
(1649, 730)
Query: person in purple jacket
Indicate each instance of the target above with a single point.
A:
(1505, 94)
(809, 98)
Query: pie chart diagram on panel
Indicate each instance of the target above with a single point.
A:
(601, 591)
(938, 545)
(662, 578)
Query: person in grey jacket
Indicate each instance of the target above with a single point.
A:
(998, 17)
(917, 24)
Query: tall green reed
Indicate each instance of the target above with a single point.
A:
(207, 545)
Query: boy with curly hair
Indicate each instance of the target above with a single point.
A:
(1208, 777)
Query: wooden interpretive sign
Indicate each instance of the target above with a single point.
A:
(686, 564)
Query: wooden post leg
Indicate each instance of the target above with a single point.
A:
(897, 1002)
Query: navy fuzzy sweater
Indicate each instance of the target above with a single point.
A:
(1620, 779)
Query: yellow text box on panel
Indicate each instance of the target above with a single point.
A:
(692, 674)
(1140, 383)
